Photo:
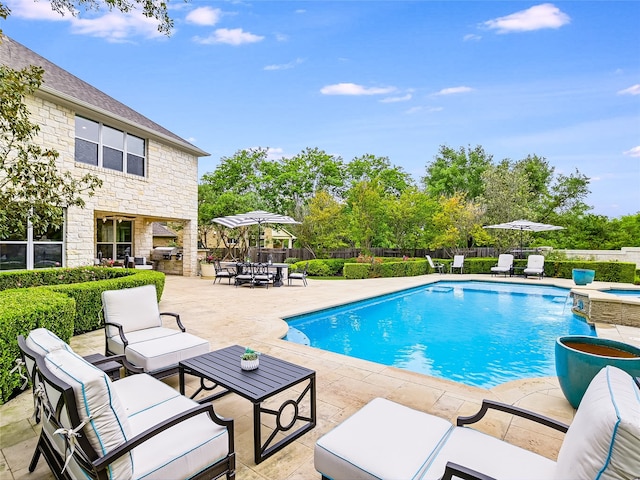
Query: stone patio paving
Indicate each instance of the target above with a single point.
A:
(226, 315)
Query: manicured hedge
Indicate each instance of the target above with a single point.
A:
(66, 310)
(605, 271)
(22, 310)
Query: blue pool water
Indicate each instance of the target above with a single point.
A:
(476, 333)
(624, 293)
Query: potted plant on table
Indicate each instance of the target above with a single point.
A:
(249, 360)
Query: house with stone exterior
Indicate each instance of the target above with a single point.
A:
(149, 174)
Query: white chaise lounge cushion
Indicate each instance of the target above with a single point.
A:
(98, 405)
(393, 442)
(603, 440)
(535, 265)
(133, 308)
(166, 351)
(42, 341)
(490, 456)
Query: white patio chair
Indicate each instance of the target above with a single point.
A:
(535, 266)
(458, 262)
(133, 327)
(505, 264)
(436, 267)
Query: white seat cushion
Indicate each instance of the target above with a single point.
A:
(603, 440)
(179, 452)
(165, 352)
(107, 425)
(383, 440)
(117, 347)
(490, 456)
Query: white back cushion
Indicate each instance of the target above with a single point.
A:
(42, 341)
(603, 441)
(133, 308)
(98, 405)
(535, 261)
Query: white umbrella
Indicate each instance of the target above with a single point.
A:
(525, 226)
(257, 217)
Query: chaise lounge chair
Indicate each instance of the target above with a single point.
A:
(388, 441)
(436, 267)
(535, 266)
(505, 264)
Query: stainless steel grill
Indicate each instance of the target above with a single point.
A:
(163, 253)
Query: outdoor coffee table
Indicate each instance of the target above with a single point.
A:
(222, 368)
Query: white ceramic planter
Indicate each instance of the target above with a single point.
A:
(207, 270)
(249, 364)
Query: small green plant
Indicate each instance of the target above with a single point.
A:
(250, 354)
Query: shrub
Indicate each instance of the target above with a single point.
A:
(22, 310)
(64, 309)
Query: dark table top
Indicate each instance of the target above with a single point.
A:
(223, 367)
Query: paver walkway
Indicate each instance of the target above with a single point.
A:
(226, 315)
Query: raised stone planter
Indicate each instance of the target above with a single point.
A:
(579, 358)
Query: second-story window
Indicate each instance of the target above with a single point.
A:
(107, 147)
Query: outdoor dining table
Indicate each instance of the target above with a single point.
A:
(278, 267)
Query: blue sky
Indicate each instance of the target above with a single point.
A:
(391, 78)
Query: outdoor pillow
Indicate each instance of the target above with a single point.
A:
(603, 441)
(98, 405)
(42, 341)
(133, 308)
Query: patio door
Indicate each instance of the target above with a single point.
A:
(114, 238)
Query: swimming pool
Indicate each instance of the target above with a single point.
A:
(476, 333)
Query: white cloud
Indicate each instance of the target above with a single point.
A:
(116, 26)
(634, 152)
(404, 98)
(113, 26)
(537, 17)
(354, 89)
(284, 66)
(235, 36)
(204, 16)
(35, 11)
(454, 90)
(471, 37)
(632, 90)
(275, 153)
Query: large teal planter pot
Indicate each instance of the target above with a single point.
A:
(582, 276)
(579, 358)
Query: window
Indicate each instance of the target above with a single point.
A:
(34, 249)
(114, 238)
(107, 147)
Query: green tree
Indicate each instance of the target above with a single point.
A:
(457, 172)
(368, 168)
(323, 225)
(458, 225)
(409, 218)
(289, 183)
(367, 214)
(31, 187)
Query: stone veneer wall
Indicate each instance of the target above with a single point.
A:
(168, 192)
(602, 307)
(625, 254)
